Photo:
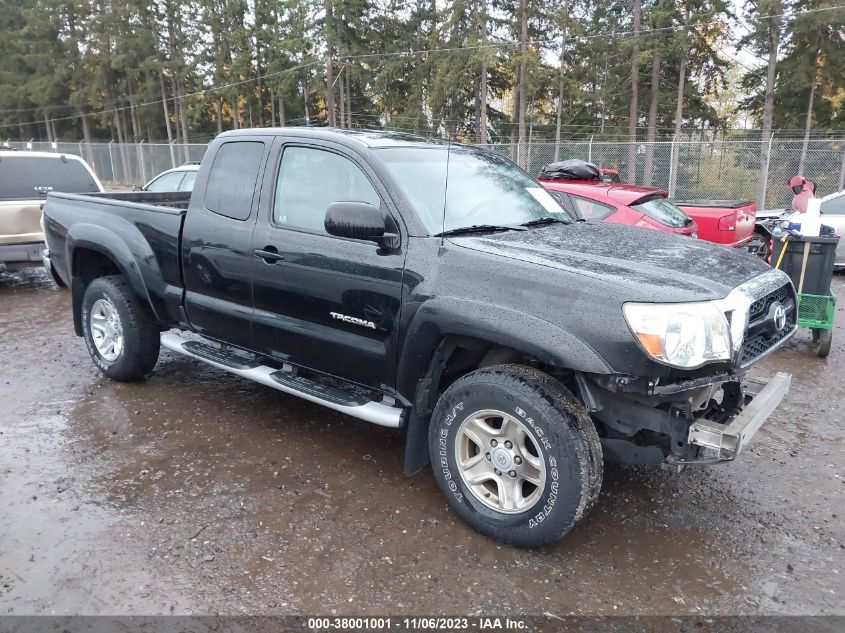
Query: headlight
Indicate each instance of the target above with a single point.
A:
(685, 335)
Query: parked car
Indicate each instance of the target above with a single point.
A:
(728, 222)
(621, 204)
(514, 347)
(25, 180)
(178, 179)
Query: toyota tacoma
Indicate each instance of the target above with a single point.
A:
(435, 288)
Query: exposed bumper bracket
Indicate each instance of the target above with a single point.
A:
(729, 439)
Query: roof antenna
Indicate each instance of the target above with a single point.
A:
(442, 248)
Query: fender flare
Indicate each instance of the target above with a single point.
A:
(114, 247)
(438, 319)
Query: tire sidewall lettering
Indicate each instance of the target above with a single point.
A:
(443, 452)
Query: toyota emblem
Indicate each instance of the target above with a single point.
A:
(779, 317)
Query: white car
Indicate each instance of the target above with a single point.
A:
(177, 179)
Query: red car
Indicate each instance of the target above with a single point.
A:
(622, 204)
(728, 222)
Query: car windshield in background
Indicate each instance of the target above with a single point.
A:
(32, 177)
(663, 211)
(484, 189)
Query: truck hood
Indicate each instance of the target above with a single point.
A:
(652, 265)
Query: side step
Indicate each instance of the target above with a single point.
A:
(349, 403)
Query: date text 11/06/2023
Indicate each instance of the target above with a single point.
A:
(417, 623)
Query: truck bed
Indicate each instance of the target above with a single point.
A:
(143, 227)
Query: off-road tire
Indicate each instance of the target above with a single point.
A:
(555, 420)
(141, 343)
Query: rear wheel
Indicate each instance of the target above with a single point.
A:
(120, 334)
(516, 454)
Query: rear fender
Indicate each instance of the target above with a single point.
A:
(101, 240)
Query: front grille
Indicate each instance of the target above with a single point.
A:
(760, 334)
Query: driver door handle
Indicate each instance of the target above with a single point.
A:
(269, 254)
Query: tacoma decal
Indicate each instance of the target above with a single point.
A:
(353, 320)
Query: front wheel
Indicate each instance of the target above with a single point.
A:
(516, 455)
(121, 336)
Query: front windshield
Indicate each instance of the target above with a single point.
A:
(664, 211)
(484, 188)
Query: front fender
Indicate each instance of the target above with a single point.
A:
(443, 316)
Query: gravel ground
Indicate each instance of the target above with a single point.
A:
(198, 492)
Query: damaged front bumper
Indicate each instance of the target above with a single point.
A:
(693, 422)
(727, 440)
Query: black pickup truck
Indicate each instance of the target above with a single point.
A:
(435, 288)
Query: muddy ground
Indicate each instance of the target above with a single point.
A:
(198, 492)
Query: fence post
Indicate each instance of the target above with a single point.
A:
(672, 166)
(842, 170)
(590, 150)
(141, 162)
(111, 160)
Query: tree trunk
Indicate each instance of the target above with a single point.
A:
(167, 118)
(651, 132)
(768, 105)
(183, 116)
(121, 153)
(236, 113)
(481, 103)
(281, 110)
(330, 105)
(272, 107)
(86, 129)
(560, 86)
(48, 128)
(218, 113)
(679, 108)
(133, 111)
(523, 68)
(86, 138)
(348, 96)
(808, 122)
(635, 81)
(342, 87)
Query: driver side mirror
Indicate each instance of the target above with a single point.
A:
(355, 220)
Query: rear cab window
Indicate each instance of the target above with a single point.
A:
(32, 177)
(233, 177)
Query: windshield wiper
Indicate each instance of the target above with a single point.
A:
(548, 220)
(480, 228)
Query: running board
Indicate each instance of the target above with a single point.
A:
(313, 391)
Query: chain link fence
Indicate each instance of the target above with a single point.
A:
(722, 169)
(716, 169)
